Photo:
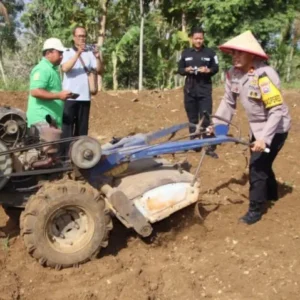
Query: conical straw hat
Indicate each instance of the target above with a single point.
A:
(244, 42)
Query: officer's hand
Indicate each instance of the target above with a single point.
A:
(189, 69)
(64, 95)
(209, 130)
(258, 146)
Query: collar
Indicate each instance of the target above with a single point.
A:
(48, 63)
(257, 64)
(251, 72)
(201, 49)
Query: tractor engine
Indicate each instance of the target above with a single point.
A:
(14, 134)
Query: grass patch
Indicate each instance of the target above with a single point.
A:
(5, 243)
(14, 85)
(295, 85)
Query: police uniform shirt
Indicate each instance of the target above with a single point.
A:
(199, 84)
(265, 119)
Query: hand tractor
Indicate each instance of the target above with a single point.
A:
(67, 206)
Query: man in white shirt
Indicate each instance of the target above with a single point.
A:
(76, 61)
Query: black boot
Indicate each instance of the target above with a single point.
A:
(253, 214)
(210, 151)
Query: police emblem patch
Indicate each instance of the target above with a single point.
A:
(265, 88)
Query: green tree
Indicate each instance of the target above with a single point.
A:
(8, 38)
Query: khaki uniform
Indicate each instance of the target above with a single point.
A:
(269, 120)
(268, 115)
(264, 123)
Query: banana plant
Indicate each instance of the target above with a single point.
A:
(119, 53)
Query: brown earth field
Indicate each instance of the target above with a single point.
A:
(185, 259)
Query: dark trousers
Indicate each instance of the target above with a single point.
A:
(263, 184)
(195, 107)
(75, 121)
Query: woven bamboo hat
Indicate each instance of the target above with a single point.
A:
(244, 42)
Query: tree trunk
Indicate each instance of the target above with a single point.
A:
(3, 12)
(2, 71)
(170, 79)
(183, 22)
(101, 36)
(183, 29)
(141, 45)
(115, 74)
(289, 65)
(177, 77)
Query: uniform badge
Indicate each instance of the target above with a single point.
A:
(265, 88)
(235, 83)
(253, 89)
(36, 76)
(254, 81)
(271, 95)
(254, 93)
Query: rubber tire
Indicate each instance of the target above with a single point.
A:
(52, 197)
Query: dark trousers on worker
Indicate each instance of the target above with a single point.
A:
(75, 121)
(195, 107)
(263, 184)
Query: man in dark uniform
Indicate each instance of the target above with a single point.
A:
(198, 64)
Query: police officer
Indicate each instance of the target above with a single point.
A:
(198, 64)
(257, 86)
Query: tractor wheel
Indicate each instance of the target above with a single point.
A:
(65, 224)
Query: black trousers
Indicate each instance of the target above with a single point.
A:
(263, 184)
(75, 121)
(195, 107)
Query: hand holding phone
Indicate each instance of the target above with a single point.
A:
(74, 96)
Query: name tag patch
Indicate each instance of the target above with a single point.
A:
(188, 59)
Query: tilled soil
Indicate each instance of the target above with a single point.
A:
(185, 259)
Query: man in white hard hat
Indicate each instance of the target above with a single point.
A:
(257, 86)
(46, 99)
(46, 96)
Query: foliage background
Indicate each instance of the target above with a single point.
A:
(276, 24)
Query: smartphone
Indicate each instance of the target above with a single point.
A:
(90, 48)
(74, 96)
